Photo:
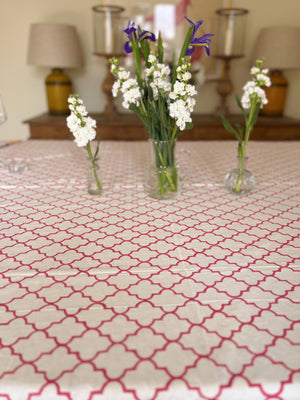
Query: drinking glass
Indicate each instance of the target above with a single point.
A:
(3, 116)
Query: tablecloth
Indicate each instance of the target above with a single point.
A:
(124, 297)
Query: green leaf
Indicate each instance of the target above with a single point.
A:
(240, 106)
(241, 130)
(229, 127)
(189, 125)
(97, 149)
(160, 49)
(183, 52)
(254, 116)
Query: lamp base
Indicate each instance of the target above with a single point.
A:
(59, 88)
(276, 95)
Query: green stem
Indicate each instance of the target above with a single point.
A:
(249, 122)
(165, 162)
(175, 129)
(240, 175)
(88, 147)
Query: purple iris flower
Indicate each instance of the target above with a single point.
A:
(142, 35)
(202, 41)
(129, 30)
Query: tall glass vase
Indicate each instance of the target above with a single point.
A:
(162, 180)
(93, 178)
(240, 180)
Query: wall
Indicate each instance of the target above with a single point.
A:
(22, 86)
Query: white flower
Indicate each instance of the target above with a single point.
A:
(149, 71)
(179, 88)
(190, 90)
(249, 86)
(83, 135)
(115, 88)
(154, 90)
(73, 122)
(130, 83)
(132, 96)
(90, 122)
(151, 59)
(254, 71)
(186, 76)
(81, 110)
(257, 94)
(190, 103)
(123, 75)
(263, 80)
(82, 126)
(113, 68)
(72, 100)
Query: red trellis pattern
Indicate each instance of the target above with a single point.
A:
(122, 297)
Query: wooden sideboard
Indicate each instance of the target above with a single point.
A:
(128, 127)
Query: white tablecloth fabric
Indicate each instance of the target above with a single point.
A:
(123, 297)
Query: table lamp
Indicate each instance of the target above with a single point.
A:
(108, 42)
(56, 46)
(280, 47)
(230, 46)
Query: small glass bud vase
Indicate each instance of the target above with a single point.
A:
(239, 180)
(162, 180)
(93, 178)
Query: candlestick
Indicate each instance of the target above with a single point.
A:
(230, 45)
(229, 36)
(108, 30)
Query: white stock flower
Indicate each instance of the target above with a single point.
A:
(83, 135)
(149, 71)
(132, 96)
(186, 76)
(179, 88)
(123, 75)
(256, 93)
(254, 70)
(82, 126)
(72, 100)
(115, 88)
(263, 80)
(129, 84)
(152, 59)
(154, 90)
(81, 110)
(190, 103)
(73, 122)
(190, 90)
(249, 86)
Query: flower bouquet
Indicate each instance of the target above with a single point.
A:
(83, 128)
(240, 180)
(162, 99)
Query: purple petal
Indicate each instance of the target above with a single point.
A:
(147, 35)
(204, 38)
(196, 24)
(189, 51)
(128, 47)
(130, 28)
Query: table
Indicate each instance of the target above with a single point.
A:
(122, 297)
(127, 126)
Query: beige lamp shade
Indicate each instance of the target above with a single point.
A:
(54, 45)
(280, 47)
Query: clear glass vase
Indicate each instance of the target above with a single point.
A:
(162, 180)
(93, 178)
(240, 180)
